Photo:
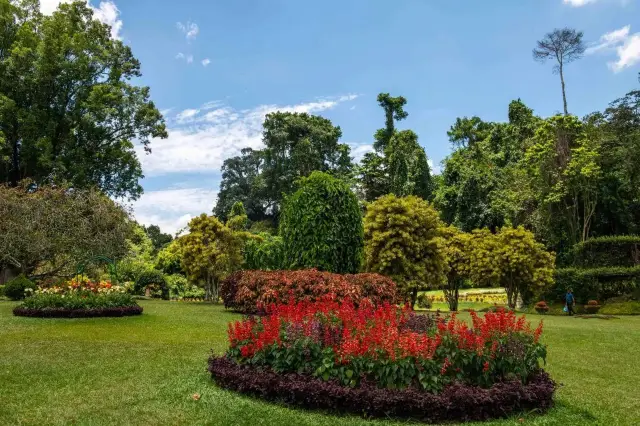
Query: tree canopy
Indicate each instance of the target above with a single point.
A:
(68, 109)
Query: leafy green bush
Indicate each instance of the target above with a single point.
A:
(78, 301)
(154, 279)
(1, 290)
(403, 242)
(17, 288)
(594, 283)
(264, 252)
(321, 226)
(181, 288)
(611, 251)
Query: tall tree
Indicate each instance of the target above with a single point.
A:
(68, 111)
(563, 45)
(159, 239)
(297, 144)
(409, 171)
(399, 164)
(242, 182)
(393, 111)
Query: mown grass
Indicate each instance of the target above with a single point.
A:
(144, 370)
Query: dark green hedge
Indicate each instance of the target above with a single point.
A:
(594, 283)
(617, 250)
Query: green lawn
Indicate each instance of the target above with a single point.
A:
(144, 370)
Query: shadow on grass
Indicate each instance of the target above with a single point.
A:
(575, 413)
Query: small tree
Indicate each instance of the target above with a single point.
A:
(456, 248)
(564, 46)
(512, 259)
(402, 242)
(321, 226)
(210, 252)
(237, 218)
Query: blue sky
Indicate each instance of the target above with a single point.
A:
(217, 67)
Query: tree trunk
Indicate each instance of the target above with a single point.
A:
(414, 297)
(452, 294)
(564, 94)
(15, 162)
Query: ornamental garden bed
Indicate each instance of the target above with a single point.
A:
(78, 298)
(387, 361)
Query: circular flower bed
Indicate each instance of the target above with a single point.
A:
(387, 361)
(79, 298)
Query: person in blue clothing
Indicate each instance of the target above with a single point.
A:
(570, 301)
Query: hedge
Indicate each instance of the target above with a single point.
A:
(457, 402)
(595, 283)
(249, 291)
(616, 250)
(122, 311)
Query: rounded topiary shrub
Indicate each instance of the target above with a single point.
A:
(321, 226)
(154, 279)
(17, 288)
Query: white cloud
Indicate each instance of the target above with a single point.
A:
(205, 137)
(172, 209)
(578, 3)
(186, 115)
(435, 170)
(107, 12)
(359, 150)
(190, 30)
(187, 58)
(206, 62)
(623, 43)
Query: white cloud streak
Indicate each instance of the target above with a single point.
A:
(578, 3)
(190, 30)
(204, 137)
(172, 209)
(625, 45)
(206, 62)
(107, 12)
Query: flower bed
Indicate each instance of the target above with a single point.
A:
(384, 361)
(250, 292)
(78, 299)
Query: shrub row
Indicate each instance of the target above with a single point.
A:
(456, 403)
(249, 291)
(616, 250)
(594, 283)
(124, 311)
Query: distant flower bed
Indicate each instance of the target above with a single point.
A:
(329, 354)
(250, 292)
(79, 298)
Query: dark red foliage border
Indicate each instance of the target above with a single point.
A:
(123, 311)
(457, 403)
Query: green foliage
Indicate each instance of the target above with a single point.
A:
(46, 231)
(402, 242)
(408, 167)
(456, 247)
(181, 288)
(321, 226)
(159, 239)
(400, 165)
(78, 301)
(615, 250)
(155, 280)
(210, 252)
(18, 288)
(513, 259)
(265, 252)
(68, 110)
(296, 144)
(168, 259)
(595, 283)
(238, 219)
(242, 182)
